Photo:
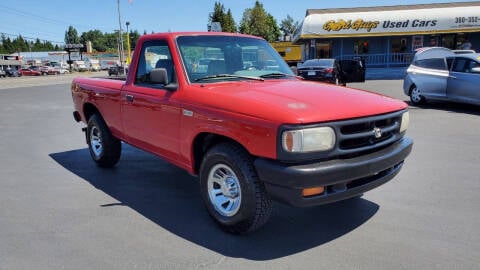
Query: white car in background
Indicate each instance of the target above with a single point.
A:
(441, 74)
(61, 70)
(79, 65)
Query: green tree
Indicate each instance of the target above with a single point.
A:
(288, 27)
(71, 36)
(48, 46)
(96, 37)
(256, 21)
(111, 41)
(20, 44)
(7, 46)
(224, 18)
(229, 23)
(273, 31)
(37, 46)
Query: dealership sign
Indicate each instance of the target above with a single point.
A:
(433, 20)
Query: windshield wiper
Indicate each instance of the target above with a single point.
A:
(279, 75)
(228, 76)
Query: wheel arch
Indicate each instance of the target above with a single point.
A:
(89, 109)
(410, 88)
(206, 140)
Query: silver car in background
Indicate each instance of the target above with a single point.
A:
(440, 74)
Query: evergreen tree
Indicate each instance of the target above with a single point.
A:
(273, 31)
(20, 44)
(6, 46)
(37, 46)
(218, 14)
(224, 18)
(71, 36)
(256, 21)
(229, 23)
(48, 46)
(244, 27)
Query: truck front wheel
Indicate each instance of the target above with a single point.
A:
(233, 194)
(104, 148)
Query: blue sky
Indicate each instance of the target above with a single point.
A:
(49, 19)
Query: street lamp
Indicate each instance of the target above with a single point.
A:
(128, 45)
(120, 36)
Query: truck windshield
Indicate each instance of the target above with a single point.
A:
(221, 58)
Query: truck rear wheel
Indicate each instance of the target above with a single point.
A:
(233, 194)
(104, 148)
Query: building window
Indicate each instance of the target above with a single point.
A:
(433, 41)
(417, 42)
(324, 49)
(448, 41)
(361, 47)
(399, 45)
(462, 42)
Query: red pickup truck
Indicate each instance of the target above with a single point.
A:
(245, 124)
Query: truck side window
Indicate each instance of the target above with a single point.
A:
(154, 54)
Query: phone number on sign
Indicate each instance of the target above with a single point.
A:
(467, 19)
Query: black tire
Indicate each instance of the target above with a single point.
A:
(415, 97)
(253, 207)
(105, 149)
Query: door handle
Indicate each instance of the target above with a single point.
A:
(452, 77)
(129, 98)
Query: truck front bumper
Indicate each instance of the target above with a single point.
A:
(341, 178)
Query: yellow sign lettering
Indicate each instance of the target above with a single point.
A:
(356, 25)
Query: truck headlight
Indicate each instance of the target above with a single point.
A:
(405, 122)
(308, 140)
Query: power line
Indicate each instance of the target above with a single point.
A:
(28, 15)
(38, 17)
(32, 38)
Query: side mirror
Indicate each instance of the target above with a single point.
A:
(476, 70)
(160, 76)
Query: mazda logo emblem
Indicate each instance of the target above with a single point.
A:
(377, 132)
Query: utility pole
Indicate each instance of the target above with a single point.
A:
(129, 53)
(120, 36)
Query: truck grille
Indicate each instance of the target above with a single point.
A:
(354, 137)
(367, 134)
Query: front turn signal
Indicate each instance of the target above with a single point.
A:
(312, 191)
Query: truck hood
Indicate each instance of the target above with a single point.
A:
(295, 101)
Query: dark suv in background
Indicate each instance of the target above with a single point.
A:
(117, 70)
(334, 71)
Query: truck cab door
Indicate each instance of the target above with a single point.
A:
(352, 70)
(150, 116)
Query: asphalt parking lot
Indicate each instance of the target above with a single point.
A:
(35, 81)
(59, 211)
